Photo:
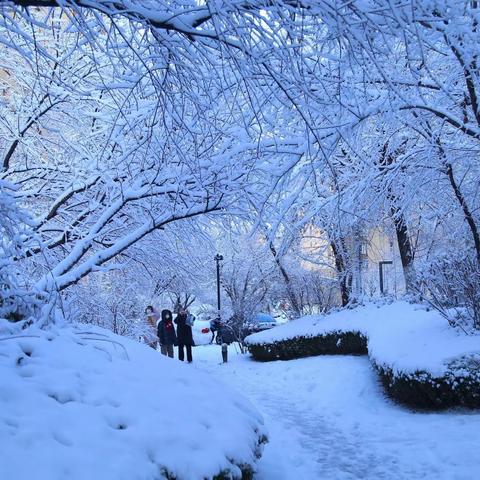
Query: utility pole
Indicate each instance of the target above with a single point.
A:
(218, 259)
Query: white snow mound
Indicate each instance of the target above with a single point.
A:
(82, 403)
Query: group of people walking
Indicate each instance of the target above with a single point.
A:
(164, 333)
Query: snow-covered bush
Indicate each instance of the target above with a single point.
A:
(452, 286)
(331, 343)
(458, 386)
(421, 360)
(110, 300)
(84, 403)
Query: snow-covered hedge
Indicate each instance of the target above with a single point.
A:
(459, 386)
(332, 343)
(421, 360)
(82, 403)
(337, 333)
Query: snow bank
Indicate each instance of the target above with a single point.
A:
(401, 336)
(82, 403)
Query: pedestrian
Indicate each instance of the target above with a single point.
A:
(184, 336)
(166, 333)
(214, 327)
(153, 317)
(190, 318)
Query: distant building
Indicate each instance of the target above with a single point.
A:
(376, 264)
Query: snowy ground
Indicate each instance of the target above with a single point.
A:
(328, 419)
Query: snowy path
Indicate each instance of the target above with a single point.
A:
(328, 419)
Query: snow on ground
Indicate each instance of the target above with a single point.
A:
(94, 405)
(328, 419)
(400, 335)
(83, 403)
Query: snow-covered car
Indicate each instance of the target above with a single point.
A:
(259, 322)
(201, 332)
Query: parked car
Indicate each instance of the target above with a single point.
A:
(259, 322)
(232, 331)
(201, 331)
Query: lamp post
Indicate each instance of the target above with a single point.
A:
(381, 274)
(218, 259)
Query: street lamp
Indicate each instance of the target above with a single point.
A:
(218, 259)
(381, 274)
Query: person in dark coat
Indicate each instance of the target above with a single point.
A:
(184, 336)
(215, 325)
(166, 333)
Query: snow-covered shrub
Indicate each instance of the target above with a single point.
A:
(458, 387)
(452, 286)
(422, 361)
(331, 343)
(84, 403)
(113, 300)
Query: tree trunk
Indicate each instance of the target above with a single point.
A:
(401, 229)
(297, 310)
(343, 272)
(467, 214)
(405, 248)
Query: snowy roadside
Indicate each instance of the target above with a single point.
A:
(328, 419)
(82, 403)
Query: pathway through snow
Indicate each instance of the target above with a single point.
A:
(328, 419)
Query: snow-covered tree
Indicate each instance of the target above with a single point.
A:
(16, 300)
